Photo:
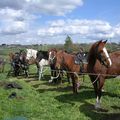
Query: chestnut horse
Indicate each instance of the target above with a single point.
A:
(54, 74)
(67, 61)
(102, 64)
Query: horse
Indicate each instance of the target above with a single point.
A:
(42, 60)
(67, 61)
(52, 59)
(100, 66)
(2, 64)
(18, 63)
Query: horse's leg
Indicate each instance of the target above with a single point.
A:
(95, 85)
(74, 83)
(68, 77)
(100, 85)
(52, 75)
(40, 72)
(98, 88)
(60, 77)
(38, 67)
(26, 71)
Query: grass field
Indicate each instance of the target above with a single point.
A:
(40, 100)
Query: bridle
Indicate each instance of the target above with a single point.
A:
(101, 58)
(51, 59)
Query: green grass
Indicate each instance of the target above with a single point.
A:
(39, 100)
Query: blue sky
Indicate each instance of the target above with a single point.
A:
(49, 21)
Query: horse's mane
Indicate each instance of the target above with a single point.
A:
(91, 53)
(52, 49)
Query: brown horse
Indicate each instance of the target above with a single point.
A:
(67, 61)
(103, 65)
(54, 74)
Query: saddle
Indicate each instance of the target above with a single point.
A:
(81, 58)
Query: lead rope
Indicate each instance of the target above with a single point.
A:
(52, 78)
(96, 79)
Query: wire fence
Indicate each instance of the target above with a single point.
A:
(86, 73)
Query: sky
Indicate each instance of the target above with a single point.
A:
(50, 21)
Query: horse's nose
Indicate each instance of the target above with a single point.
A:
(109, 63)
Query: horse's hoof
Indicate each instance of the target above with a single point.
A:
(97, 106)
(78, 85)
(50, 81)
(103, 90)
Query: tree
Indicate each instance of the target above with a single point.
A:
(68, 44)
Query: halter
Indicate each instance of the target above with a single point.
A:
(103, 60)
(51, 58)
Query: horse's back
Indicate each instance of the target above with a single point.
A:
(115, 58)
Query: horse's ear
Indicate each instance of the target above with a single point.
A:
(105, 41)
(100, 41)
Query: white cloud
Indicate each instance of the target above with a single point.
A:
(91, 28)
(14, 21)
(22, 11)
(16, 27)
(53, 7)
(21, 16)
(117, 30)
(14, 4)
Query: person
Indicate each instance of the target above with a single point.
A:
(79, 59)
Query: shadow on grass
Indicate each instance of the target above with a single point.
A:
(80, 97)
(116, 107)
(84, 93)
(88, 109)
(59, 88)
(111, 94)
(101, 114)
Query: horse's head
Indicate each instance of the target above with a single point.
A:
(59, 59)
(102, 54)
(52, 56)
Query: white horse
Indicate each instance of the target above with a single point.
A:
(31, 53)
